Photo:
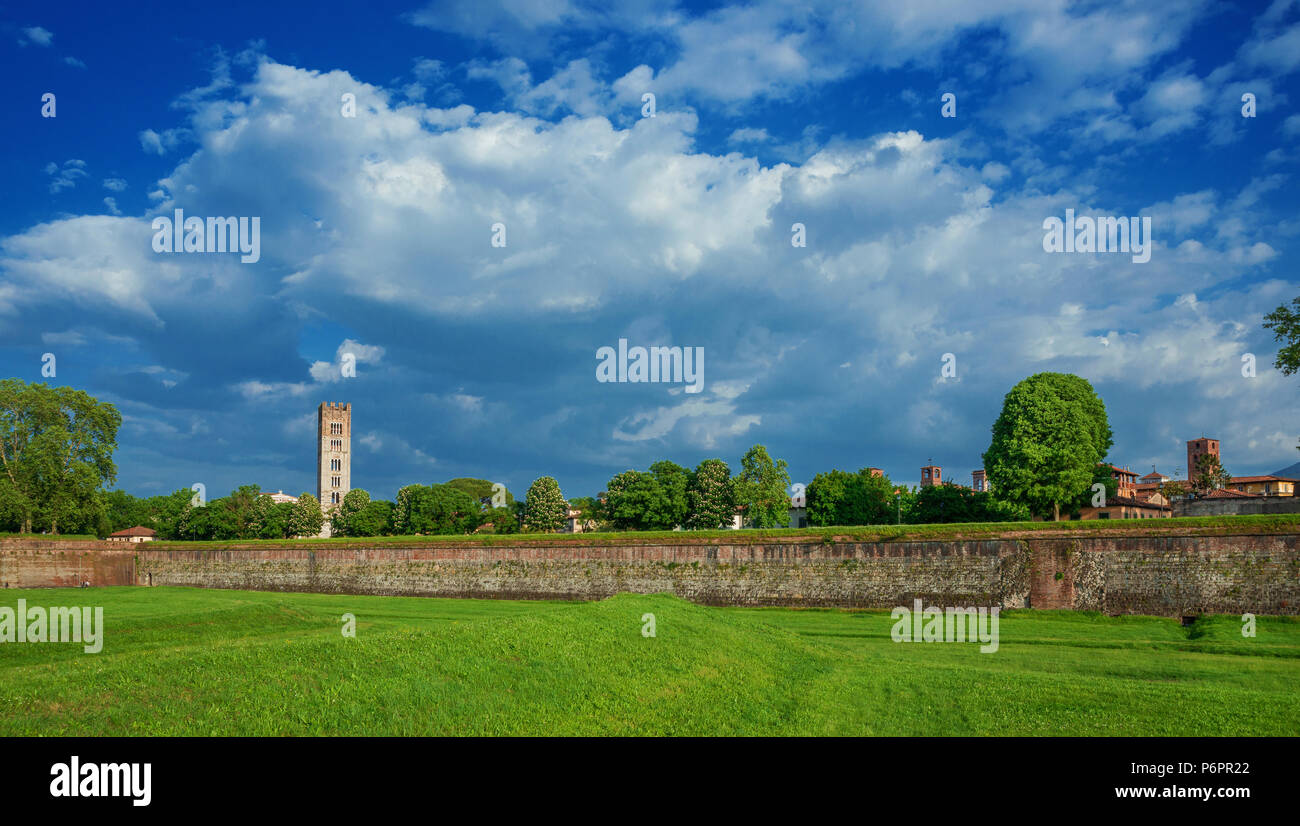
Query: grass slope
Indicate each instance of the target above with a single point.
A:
(198, 662)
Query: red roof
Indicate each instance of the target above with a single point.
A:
(138, 530)
(1238, 480)
(1230, 494)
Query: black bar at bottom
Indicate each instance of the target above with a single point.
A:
(214, 776)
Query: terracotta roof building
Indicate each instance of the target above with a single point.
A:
(137, 534)
(1225, 493)
(1126, 481)
(1264, 485)
(1154, 506)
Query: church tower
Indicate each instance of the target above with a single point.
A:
(333, 453)
(1196, 448)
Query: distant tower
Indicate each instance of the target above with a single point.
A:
(333, 452)
(1197, 448)
(978, 480)
(931, 475)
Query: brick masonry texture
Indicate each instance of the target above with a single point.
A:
(1155, 575)
(1237, 507)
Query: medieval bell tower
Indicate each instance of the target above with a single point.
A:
(333, 453)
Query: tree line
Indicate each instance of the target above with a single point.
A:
(1047, 454)
(457, 506)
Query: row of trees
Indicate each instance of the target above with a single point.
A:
(863, 498)
(1046, 458)
(459, 506)
(1048, 447)
(669, 496)
(244, 514)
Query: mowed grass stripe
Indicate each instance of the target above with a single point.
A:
(198, 662)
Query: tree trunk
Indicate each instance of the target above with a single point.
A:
(1056, 512)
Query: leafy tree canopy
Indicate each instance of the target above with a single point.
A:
(1047, 441)
(545, 506)
(56, 452)
(710, 496)
(1285, 324)
(480, 490)
(762, 488)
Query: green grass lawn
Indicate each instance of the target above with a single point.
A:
(199, 662)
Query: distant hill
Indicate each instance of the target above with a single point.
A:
(1292, 472)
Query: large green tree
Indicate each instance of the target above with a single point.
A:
(56, 452)
(1047, 441)
(762, 489)
(710, 496)
(162, 513)
(544, 506)
(454, 511)
(869, 499)
(648, 501)
(307, 518)
(672, 504)
(354, 502)
(375, 519)
(165, 512)
(1285, 324)
(435, 509)
(126, 511)
(825, 497)
(402, 509)
(629, 496)
(502, 520)
(841, 498)
(274, 519)
(244, 514)
(949, 502)
(480, 490)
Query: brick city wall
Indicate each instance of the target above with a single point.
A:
(40, 563)
(1237, 507)
(1160, 575)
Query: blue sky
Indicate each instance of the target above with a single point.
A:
(924, 233)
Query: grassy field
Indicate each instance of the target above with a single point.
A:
(200, 662)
